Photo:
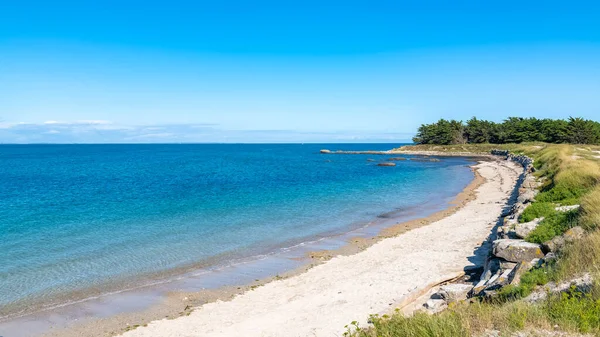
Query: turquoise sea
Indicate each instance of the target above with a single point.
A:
(81, 219)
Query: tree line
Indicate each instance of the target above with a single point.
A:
(512, 130)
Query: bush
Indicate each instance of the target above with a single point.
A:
(553, 225)
(537, 210)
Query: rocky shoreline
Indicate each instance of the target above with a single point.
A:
(510, 256)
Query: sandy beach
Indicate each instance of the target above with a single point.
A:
(386, 275)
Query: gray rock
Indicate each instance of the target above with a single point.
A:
(518, 271)
(554, 245)
(498, 281)
(582, 284)
(490, 268)
(550, 257)
(516, 250)
(325, 151)
(523, 229)
(574, 234)
(454, 292)
(526, 196)
(435, 304)
(567, 208)
(507, 265)
(386, 164)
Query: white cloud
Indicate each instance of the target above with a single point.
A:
(102, 131)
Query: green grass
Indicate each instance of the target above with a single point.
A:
(572, 311)
(537, 210)
(529, 280)
(553, 225)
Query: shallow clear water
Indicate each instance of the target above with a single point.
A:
(76, 217)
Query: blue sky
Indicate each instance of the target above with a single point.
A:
(275, 71)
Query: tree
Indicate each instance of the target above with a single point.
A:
(511, 130)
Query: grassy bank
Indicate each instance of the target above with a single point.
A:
(571, 175)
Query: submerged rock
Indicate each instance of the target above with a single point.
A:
(516, 250)
(386, 164)
(397, 158)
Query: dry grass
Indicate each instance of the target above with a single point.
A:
(590, 209)
(580, 257)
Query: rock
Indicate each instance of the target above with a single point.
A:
(523, 229)
(516, 250)
(397, 159)
(526, 197)
(554, 245)
(574, 234)
(435, 304)
(507, 265)
(550, 257)
(490, 268)
(520, 269)
(582, 284)
(386, 164)
(370, 159)
(567, 208)
(479, 287)
(454, 292)
(324, 151)
(498, 281)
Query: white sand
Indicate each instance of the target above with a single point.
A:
(322, 300)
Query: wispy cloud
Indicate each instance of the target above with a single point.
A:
(101, 131)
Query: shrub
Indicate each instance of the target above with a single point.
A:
(553, 225)
(537, 210)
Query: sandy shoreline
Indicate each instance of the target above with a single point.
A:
(320, 301)
(181, 304)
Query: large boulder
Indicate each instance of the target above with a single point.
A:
(523, 229)
(516, 250)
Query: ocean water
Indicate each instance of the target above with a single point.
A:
(81, 218)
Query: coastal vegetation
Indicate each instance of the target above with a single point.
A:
(569, 176)
(512, 130)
